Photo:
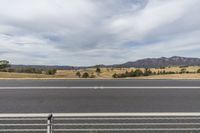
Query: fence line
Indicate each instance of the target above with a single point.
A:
(104, 122)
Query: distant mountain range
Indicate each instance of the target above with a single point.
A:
(162, 62)
(143, 63)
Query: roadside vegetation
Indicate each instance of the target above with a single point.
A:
(5, 67)
(149, 72)
(171, 72)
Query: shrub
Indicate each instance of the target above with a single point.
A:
(154, 73)
(78, 74)
(162, 67)
(26, 70)
(4, 64)
(147, 72)
(51, 72)
(98, 70)
(183, 70)
(85, 75)
(138, 72)
(170, 72)
(115, 75)
(135, 73)
(198, 71)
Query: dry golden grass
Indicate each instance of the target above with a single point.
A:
(106, 73)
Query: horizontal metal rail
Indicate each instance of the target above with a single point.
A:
(99, 122)
(45, 115)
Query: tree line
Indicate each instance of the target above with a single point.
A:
(6, 67)
(148, 72)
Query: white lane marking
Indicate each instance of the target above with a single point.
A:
(100, 124)
(31, 124)
(113, 124)
(102, 129)
(127, 114)
(129, 129)
(131, 118)
(97, 87)
(23, 130)
(60, 115)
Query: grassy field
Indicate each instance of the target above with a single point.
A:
(106, 73)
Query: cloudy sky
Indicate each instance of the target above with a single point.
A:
(88, 32)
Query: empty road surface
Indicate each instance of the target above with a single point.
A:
(85, 96)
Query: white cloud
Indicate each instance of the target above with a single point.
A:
(87, 32)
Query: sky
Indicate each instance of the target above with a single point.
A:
(90, 32)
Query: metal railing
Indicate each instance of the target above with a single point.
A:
(100, 122)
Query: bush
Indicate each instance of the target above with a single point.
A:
(198, 71)
(170, 72)
(78, 74)
(4, 64)
(137, 73)
(23, 70)
(183, 70)
(162, 67)
(98, 70)
(51, 72)
(147, 72)
(115, 75)
(85, 75)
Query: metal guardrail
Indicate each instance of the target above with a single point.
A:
(100, 122)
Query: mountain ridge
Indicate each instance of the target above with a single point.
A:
(141, 63)
(162, 62)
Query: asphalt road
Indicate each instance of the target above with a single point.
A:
(22, 97)
(120, 82)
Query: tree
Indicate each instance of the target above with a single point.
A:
(183, 70)
(78, 74)
(115, 75)
(85, 75)
(198, 71)
(4, 64)
(147, 72)
(51, 72)
(138, 72)
(98, 70)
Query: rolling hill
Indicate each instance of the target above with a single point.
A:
(142, 63)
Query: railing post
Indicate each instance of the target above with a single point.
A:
(49, 123)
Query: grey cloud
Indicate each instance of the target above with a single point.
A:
(87, 32)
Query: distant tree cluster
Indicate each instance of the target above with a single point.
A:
(5, 67)
(85, 75)
(50, 72)
(4, 64)
(148, 72)
(136, 73)
(28, 70)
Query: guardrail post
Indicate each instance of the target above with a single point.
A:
(49, 123)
